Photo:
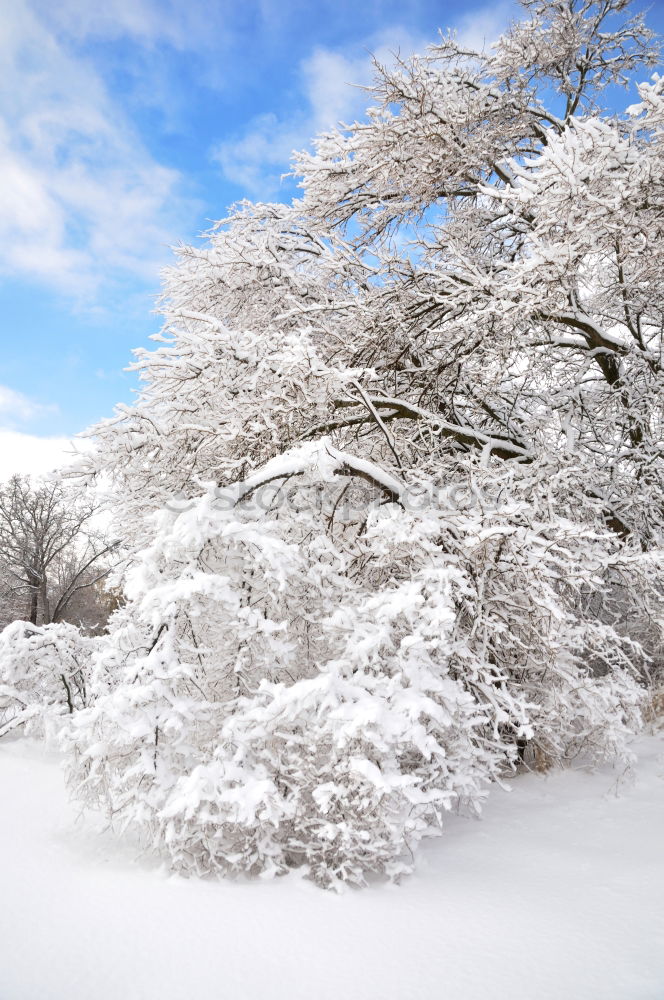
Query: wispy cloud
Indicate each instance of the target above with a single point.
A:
(17, 408)
(184, 26)
(331, 91)
(479, 29)
(82, 198)
(331, 87)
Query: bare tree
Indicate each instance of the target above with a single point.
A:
(12, 604)
(50, 551)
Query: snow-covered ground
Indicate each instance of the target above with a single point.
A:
(558, 894)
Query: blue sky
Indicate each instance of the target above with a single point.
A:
(129, 126)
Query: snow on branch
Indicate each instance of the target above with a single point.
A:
(325, 461)
(399, 408)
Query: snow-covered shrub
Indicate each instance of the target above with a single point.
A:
(44, 674)
(287, 697)
(249, 734)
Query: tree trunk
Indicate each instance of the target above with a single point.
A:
(34, 604)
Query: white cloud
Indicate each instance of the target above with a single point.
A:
(256, 159)
(16, 407)
(28, 454)
(480, 29)
(332, 85)
(185, 26)
(82, 199)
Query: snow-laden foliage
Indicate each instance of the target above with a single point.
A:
(44, 674)
(392, 490)
(288, 697)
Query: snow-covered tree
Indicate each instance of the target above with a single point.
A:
(51, 554)
(44, 674)
(393, 485)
